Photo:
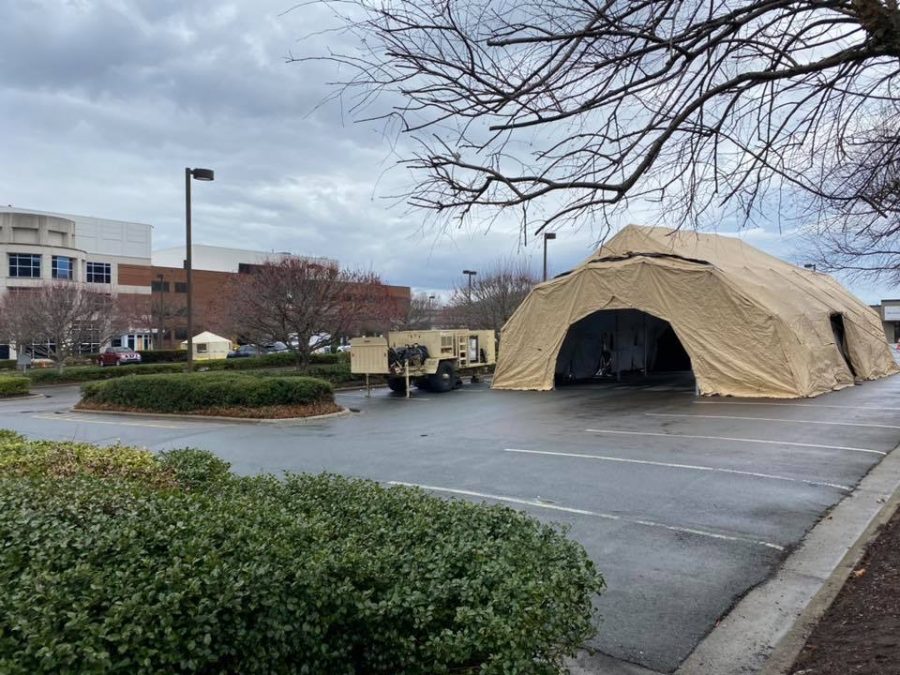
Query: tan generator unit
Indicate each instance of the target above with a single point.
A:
(430, 359)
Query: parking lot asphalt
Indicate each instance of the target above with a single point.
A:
(684, 503)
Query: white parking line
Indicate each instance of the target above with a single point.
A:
(93, 420)
(736, 440)
(777, 419)
(595, 514)
(798, 405)
(687, 467)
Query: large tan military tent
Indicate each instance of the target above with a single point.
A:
(746, 323)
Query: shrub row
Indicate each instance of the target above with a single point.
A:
(264, 361)
(89, 373)
(163, 356)
(200, 571)
(185, 393)
(7, 364)
(13, 385)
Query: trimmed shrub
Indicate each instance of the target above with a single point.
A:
(185, 393)
(164, 356)
(195, 468)
(13, 385)
(316, 574)
(7, 364)
(89, 373)
(59, 459)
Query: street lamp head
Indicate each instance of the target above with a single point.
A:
(470, 272)
(549, 235)
(810, 266)
(203, 174)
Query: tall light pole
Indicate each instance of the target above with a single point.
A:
(547, 237)
(204, 175)
(162, 310)
(470, 274)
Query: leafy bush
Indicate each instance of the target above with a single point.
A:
(185, 393)
(7, 364)
(195, 468)
(58, 459)
(317, 574)
(13, 385)
(279, 360)
(89, 373)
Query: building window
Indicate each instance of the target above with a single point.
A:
(25, 265)
(181, 287)
(99, 273)
(181, 333)
(160, 286)
(62, 267)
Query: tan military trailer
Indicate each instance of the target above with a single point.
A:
(431, 359)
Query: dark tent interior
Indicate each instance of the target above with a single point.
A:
(610, 343)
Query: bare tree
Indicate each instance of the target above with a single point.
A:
(422, 313)
(18, 321)
(494, 296)
(307, 304)
(568, 109)
(852, 240)
(64, 318)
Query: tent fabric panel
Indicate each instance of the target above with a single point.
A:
(752, 324)
(706, 315)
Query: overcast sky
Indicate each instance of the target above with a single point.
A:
(104, 102)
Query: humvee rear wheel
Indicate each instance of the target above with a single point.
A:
(444, 379)
(397, 384)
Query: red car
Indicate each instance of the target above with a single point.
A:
(118, 356)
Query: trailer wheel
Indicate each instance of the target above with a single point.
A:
(444, 379)
(397, 384)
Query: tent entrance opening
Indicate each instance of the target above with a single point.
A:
(840, 339)
(620, 342)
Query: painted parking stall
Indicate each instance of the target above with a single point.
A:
(683, 503)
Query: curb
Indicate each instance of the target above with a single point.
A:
(782, 659)
(343, 412)
(27, 397)
(767, 628)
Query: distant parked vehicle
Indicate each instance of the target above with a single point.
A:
(246, 351)
(118, 356)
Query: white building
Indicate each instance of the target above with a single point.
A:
(223, 259)
(37, 247)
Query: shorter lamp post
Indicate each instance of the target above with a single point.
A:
(547, 236)
(204, 175)
(470, 274)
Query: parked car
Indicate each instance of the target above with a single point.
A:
(118, 356)
(245, 351)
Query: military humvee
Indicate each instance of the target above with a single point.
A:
(431, 359)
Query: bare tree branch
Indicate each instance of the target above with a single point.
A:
(582, 109)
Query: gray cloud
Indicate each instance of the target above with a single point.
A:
(103, 102)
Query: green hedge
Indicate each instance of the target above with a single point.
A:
(281, 359)
(199, 571)
(164, 356)
(7, 364)
(89, 373)
(185, 393)
(13, 385)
